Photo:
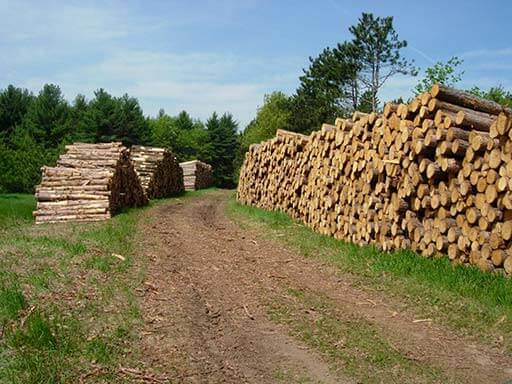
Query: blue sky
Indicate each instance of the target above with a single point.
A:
(205, 56)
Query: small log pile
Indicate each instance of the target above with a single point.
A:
(434, 176)
(197, 175)
(90, 182)
(159, 172)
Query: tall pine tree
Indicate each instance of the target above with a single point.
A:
(224, 147)
(47, 118)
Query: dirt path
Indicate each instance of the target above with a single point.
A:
(206, 304)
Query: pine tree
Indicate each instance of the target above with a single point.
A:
(328, 89)
(224, 147)
(79, 128)
(116, 119)
(130, 126)
(14, 103)
(377, 49)
(47, 117)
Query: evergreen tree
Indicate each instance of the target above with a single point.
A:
(14, 103)
(327, 89)
(377, 48)
(101, 117)
(184, 121)
(193, 143)
(366, 102)
(79, 127)
(46, 120)
(224, 146)
(130, 126)
(116, 119)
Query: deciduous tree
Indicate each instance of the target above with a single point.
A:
(444, 73)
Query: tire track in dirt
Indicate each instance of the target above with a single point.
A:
(206, 321)
(202, 321)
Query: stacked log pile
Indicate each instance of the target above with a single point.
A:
(197, 175)
(434, 176)
(159, 172)
(90, 182)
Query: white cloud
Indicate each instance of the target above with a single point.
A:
(197, 82)
(83, 47)
(487, 53)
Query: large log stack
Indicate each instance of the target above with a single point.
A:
(159, 172)
(197, 175)
(434, 176)
(91, 182)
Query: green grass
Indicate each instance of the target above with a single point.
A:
(289, 376)
(464, 298)
(351, 344)
(61, 312)
(16, 208)
(68, 307)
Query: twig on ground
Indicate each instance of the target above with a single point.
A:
(27, 315)
(143, 376)
(248, 313)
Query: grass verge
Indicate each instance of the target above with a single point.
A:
(69, 305)
(466, 299)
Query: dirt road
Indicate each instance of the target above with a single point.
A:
(221, 302)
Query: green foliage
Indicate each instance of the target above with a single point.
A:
(187, 138)
(274, 114)
(111, 118)
(162, 129)
(14, 103)
(224, 143)
(366, 102)
(34, 130)
(327, 89)
(497, 94)
(349, 76)
(444, 73)
(377, 49)
(21, 162)
(46, 120)
(80, 129)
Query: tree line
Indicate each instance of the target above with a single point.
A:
(35, 128)
(348, 77)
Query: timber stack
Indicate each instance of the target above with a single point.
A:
(158, 170)
(197, 175)
(90, 182)
(433, 175)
